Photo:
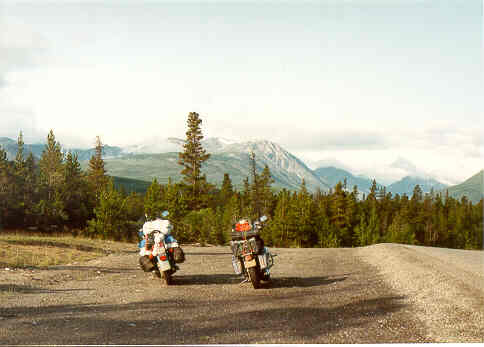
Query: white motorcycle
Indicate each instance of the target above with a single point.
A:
(159, 250)
(249, 256)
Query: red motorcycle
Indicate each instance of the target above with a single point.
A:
(249, 256)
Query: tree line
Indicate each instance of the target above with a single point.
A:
(54, 194)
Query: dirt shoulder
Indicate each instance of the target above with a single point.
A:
(316, 296)
(445, 286)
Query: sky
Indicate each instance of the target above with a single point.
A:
(383, 88)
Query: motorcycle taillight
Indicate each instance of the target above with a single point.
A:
(163, 257)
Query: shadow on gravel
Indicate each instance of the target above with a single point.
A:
(184, 280)
(209, 254)
(92, 268)
(276, 282)
(14, 288)
(282, 322)
(303, 282)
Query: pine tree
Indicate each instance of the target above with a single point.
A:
(227, 191)
(50, 209)
(51, 165)
(279, 226)
(155, 202)
(339, 217)
(192, 160)
(31, 189)
(18, 188)
(267, 196)
(96, 172)
(111, 218)
(75, 192)
(20, 157)
(6, 191)
(255, 189)
(304, 234)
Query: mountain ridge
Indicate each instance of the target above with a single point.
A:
(233, 157)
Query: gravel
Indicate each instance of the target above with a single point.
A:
(445, 286)
(384, 293)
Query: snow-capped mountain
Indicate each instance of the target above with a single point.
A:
(283, 165)
(155, 145)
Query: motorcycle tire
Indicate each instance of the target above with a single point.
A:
(266, 277)
(254, 277)
(167, 277)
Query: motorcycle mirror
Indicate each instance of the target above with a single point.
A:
(263, 218)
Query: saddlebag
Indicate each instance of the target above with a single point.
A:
(178, 255)
(146, 263)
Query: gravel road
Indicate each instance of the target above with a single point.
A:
(383, 293)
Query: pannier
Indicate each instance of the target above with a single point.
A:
(146, 263)
(178, 255)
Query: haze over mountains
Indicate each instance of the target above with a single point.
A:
(159, 159)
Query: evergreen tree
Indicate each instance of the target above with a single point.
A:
(51, 165)
(267, 197)
(96, 172)
(75, 192)
(20, 157)
(50, 209)
(30, 189)
(192, 160)
(19, 185)
(339, 216)
(6, 190)
(400, 232)
(246, 204)
(155, 202)
(227, 190)
(111, 218)
(255, 189)
(304, 229)
(279, 226)
(177, 206)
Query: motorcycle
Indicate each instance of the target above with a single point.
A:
(159, 251)
(249, 256)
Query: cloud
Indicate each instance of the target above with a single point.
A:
(341, 139)
(20, 47)
(404, 164)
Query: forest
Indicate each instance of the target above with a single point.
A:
(53, 195)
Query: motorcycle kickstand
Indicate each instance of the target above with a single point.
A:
(246, 279)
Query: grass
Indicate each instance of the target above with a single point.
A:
(20, 249)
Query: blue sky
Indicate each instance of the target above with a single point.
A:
(377, 86)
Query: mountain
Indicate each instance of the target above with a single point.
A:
(407, 184)
(232, 158)
(472, 188)
(155, 146)
(333, 175)
(285, 167)
(108, 152)
(10, 146)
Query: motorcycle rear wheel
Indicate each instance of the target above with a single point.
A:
(167, 277)
(254, 277)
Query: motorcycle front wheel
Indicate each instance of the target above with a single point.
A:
(254, 277)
